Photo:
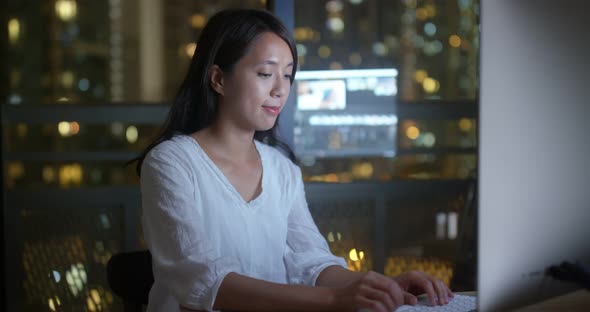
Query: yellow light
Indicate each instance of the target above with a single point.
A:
(95, 296)
(64, 128)
(332, 178)
(431, 9)
(324, 51)
(198, 21)
(13, 30)
(190, 48)
(48, 174)
(305, 34)
(355, 59)
(66, 10)
(455, 41)
(70, 174)
(300, 34)
(361, 255)
(420, 75)
(131, 134)
(353, 255)
(421, 14)
(67, 78)
(366, 170)
(91, 305)
(51, 304)
(430, 85)
(465, 124)
(412, 132)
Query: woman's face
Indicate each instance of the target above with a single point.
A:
(253, 94)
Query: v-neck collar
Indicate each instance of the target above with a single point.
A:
(225, 181)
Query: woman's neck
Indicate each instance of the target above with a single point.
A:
(237, 145)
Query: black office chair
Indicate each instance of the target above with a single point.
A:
(130, 277)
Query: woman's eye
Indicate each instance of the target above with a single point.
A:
(265, 75)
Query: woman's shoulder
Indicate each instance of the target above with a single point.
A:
(175, 150)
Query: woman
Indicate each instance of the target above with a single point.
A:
(225, 215)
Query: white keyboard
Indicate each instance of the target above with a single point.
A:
(459, 303)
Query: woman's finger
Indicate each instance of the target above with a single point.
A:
(387, 285)
(375, 294)
(441, 290)
(430, 291)
(410, 299)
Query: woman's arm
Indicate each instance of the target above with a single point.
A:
(241, 293)
(337, 276)
(337, 289)
(368, 290)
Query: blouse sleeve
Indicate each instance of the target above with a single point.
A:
(307, 253)
(184, 262)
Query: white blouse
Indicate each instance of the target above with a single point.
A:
(199, 228)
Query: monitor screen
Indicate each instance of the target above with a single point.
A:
(534, 150)
(341, 113)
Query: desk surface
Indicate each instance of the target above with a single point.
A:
(575, 301)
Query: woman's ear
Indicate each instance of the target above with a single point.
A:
(216, 79)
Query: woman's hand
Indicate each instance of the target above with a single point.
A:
(374, 292)
(417, 282)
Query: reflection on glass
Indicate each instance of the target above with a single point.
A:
(341, 113)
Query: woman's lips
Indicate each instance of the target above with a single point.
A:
(274, 110)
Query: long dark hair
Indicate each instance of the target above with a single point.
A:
(223, 42)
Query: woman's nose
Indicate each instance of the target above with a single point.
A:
(280, 88)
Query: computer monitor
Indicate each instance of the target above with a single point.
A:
(534, 148)
(344, 113)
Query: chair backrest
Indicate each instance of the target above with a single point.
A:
(130, 276)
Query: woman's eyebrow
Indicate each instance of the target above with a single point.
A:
(273, 62)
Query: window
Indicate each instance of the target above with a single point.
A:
(384, 109)
(400, 131)
(82, 77)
